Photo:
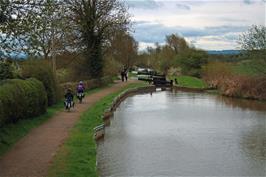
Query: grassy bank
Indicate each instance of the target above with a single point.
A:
(77, 157)
(189, 81)
(11, 133)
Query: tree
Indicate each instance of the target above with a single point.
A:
(177, 43)
(123, 48)
(191, 62)
(253, 42)
(94, 22)
(254, 39)
(34, 27)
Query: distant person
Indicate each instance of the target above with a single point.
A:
(122, 75)
(125, 74)
(176, 83)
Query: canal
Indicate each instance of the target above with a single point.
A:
(175, 133)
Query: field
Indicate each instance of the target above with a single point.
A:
(189, 81)
(244, 68)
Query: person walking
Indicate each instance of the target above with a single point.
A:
(122, 75)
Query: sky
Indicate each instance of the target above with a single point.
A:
(206, 24)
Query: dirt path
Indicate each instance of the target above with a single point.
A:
(31, 156)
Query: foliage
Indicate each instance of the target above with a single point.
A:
(254, 39)
(244, 87)
(5, 71)
(35, 27)
(214, 73)
(41, 70)
(175, 53)
(89, 84)
(253, 42)
(94, 23)
(77, 157)
(191, 62)
(111, 67)
(123, 48)
(21, 99)
(221, 76)
(177, 43)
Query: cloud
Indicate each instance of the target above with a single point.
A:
(156, 32)
(183, 6)
(142, 4)
(148, 33)
(211, 20)
(248, 2)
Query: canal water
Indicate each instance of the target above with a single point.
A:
(174, 133)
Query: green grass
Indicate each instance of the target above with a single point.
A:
(11, 133)
(77, 157)
(244, 68)
(189, 81)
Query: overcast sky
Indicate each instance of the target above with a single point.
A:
(207, 24)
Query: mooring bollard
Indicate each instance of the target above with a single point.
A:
(99, 132)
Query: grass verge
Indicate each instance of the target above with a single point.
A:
(11, 133)
(77, 157)
(190, 82)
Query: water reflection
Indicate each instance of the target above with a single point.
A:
(253, 142)
(174, 133)
(243, 103)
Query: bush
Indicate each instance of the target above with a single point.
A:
(89, 84)
(219, 75)
(244, 87)
(191, 62)
(21, 99)
(5, 71)
(42, 71)
(215, 73)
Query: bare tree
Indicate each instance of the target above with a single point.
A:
(253, 43)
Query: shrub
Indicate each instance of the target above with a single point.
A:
(219, 75)
(89, 84)
(191, 62)
(42, 71)
(21, 99)
(215, 73)
(5, 71)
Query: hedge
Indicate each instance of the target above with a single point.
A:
(42, 71)
(89, 84)
(21, 99)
